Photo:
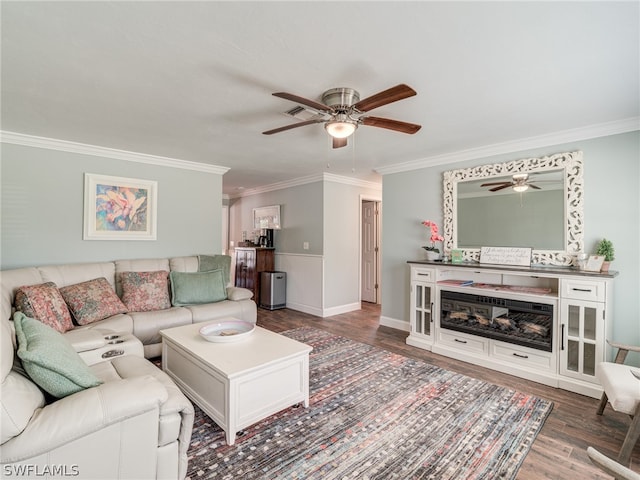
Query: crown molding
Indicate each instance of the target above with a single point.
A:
(556, 138)
(320, 177)
(356, 182)
(96, 151)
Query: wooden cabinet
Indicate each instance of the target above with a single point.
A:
(250, 262)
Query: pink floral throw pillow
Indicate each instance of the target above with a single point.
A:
(45, 303)
(145, 291)
(92, 301)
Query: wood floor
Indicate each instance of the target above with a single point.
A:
(559, 451)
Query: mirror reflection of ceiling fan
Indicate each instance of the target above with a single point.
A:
(342, 112)
(519, 182)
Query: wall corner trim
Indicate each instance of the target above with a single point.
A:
(97, 151)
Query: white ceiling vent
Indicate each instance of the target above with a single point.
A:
(302, 114)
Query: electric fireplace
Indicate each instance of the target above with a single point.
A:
(525, 323)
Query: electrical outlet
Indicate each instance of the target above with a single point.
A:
(305, 245)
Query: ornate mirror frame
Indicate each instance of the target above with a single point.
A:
(571, 162)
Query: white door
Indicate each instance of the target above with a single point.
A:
(369, 285)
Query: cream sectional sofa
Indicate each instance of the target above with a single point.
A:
(136, 423)
(145, 326)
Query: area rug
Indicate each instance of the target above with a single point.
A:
(374, 414)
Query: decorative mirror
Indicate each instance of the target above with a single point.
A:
(534, 202)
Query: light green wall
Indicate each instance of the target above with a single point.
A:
(611, 210)
(42, 209)
(301, 213)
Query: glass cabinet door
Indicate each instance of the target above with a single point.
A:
(422, 315)
(581, 336)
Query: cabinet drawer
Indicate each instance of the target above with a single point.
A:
(422, 274)
(584, 290)
(464, 342)
(523, 356)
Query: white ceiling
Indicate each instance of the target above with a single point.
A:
(193, 80)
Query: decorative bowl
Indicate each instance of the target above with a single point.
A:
(229, 331)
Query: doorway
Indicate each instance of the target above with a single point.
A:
(370, 250)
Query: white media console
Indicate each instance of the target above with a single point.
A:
(546, 324)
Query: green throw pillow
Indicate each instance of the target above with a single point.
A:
(197, 287)
(49, 358)
(207, 263)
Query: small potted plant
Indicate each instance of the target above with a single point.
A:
(605, 248)
(433, 252)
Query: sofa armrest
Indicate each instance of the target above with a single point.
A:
(238, 293)
(83, 413)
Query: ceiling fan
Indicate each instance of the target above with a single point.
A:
(342, 112)
(519, 182)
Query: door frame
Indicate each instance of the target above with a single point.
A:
(378, 200)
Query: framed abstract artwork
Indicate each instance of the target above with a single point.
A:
(118, 208)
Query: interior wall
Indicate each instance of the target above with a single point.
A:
(342, 202)
(611, 210)
(42, 209)
(301, 213)
(324, 279)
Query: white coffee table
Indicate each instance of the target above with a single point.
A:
(238, 383)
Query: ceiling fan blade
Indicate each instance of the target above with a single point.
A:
(339, 142)
(534, 186)
(305, 101)
(389, 124)
(393, 94)
(293, 125)
(495, 189)
(495, 183)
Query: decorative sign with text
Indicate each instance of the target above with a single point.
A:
(506, 256)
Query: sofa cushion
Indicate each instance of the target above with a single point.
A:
(11, 281)
(50, 360)
(19, 396)
(145, 291)
(198, 287)
(147, 325)
(45, 303)
(138, 265)
(20, 399)
(216, 262)
(72, 273)
(92, 300)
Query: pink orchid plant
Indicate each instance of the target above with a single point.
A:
(435, 237)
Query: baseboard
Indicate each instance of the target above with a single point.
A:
(349, 307)
(298, 307)
(395, 323)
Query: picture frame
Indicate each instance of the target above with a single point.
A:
(594, 263)
(266, 217)
(119, 208)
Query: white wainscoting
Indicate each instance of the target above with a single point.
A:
(304, 281)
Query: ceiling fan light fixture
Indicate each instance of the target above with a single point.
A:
(520, 188)
(340, 128)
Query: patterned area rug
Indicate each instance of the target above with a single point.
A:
(377, 415)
